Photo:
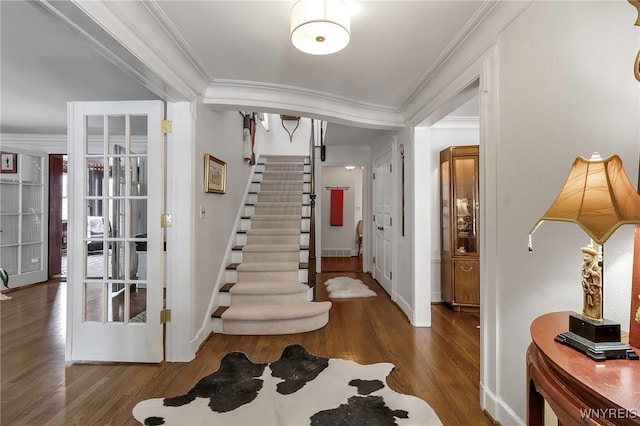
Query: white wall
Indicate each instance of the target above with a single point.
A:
(341, 237)
(566, 92)
(447, 132)
(218, 133)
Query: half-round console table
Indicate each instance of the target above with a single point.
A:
(579, 390)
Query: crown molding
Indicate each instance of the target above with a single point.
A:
(49, 143)
(481, 14)
(459, 62)
(458, 123)
(135, 38)
(263, 97)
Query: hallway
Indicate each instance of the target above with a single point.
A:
(342, 264)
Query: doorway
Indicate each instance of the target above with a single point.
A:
(341, 216)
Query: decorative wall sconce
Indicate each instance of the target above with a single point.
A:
(295, 118)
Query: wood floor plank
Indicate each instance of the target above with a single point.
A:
(438, 364)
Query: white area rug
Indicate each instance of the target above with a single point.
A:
(347, 288)
(299, 389)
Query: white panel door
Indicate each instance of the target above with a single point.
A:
(116, 197)
(382, 206)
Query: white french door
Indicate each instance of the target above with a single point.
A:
(383, 222)
(116, 197)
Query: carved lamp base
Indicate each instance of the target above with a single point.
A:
(599, 340)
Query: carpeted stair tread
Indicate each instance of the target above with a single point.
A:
(275, 312)
(268, 287)
(268, 266)
(276, 217)
(270, 248)
(239, 248)
(273, 231)
(277, 204)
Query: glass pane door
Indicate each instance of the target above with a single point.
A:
(118, 193)
(465, 190)
(23, 217)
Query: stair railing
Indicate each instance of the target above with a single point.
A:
(312, 221)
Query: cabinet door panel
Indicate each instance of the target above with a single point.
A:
(466, 279)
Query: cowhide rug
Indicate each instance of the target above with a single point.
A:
(298, 389)
(347, 288)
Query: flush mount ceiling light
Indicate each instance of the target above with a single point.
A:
(320, 27)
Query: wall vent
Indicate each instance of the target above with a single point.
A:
(336, 253)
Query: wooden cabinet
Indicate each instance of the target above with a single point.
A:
(460, 243)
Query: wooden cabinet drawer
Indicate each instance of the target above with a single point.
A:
(466, 279)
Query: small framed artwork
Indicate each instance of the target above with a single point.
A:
(215, 174)
(9, 162)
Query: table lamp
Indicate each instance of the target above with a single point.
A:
(598, 197)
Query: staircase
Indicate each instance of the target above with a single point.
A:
(266, 291)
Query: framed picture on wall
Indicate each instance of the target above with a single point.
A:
(215, 174)
(9, 162)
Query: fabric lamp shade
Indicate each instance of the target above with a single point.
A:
(320, 27)
(597, 196)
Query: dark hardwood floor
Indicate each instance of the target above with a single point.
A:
(438, 364)
(340, 264)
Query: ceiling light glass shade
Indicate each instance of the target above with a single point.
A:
(320, 27)
(597, 196)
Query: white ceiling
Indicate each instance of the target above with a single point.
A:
(394, 49)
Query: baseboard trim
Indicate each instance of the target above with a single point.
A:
(496, 409)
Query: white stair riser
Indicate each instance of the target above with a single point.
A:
(231, 276)
(217, 324)
(225, 298)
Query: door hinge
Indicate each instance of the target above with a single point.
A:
(165, 126)
(390, 168)
(374, 176)
(374, 259)
(165, 221)
(390, 275)
(165, 316)
(390, 221)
